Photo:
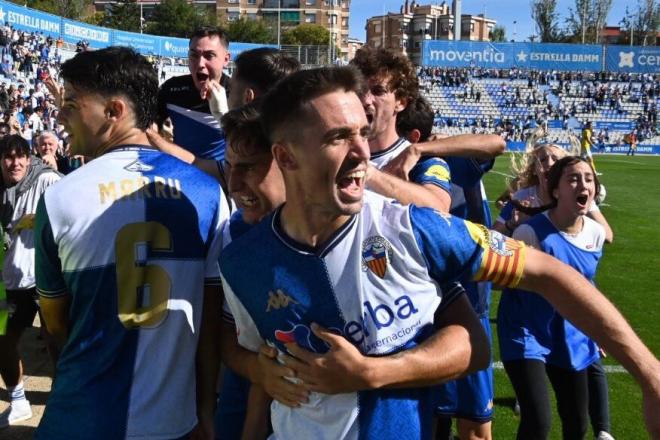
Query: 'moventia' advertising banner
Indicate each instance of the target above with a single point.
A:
(633, 59)
(508, 55)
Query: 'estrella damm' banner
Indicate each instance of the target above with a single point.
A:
(539, 56)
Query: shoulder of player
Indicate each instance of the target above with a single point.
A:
(177, 82)
(246, 244)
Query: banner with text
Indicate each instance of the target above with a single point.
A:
(540, 56)
(633, 59)
(29, 20)
(75, 31)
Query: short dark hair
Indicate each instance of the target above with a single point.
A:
(419, 115)
(14, 143)
(284, 105)
(261, 68)
(374, 62)
(211, 31)
(5, 125)
(117, 71)
(243, 131)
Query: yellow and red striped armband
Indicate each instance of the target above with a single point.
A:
(503, 258)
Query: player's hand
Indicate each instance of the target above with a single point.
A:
(217, 97)
(401, 165)
(343, 369)
(56, 90)
(278, 380)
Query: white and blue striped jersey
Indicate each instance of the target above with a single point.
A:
(429, 170)
(132, 237)
(377, 282)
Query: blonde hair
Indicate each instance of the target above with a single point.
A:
(523, 164)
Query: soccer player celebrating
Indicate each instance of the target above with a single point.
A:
(334, 259)
(128, 274)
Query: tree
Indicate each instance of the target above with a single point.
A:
(498, 33)
(544, 13)
(587, 20)
(643, 23)
(249, 31)
(307, 34)
(123, 15)
(176, 18)
(73, 9)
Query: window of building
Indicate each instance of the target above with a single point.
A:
(310, 18)
(252, 16)
(377, 28)
(471, 27)
(232, 1)
(310, 2)
(233, 15)
(252, 2)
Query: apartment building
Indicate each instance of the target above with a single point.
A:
(406, 30)
(281, 14)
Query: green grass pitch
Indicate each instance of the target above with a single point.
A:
(629, 274)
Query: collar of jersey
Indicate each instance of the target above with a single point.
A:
(131, 147)
(319, 251)
(392, 147)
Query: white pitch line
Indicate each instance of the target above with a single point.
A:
(502, 174)
(608, 368)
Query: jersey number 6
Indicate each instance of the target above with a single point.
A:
(144, 289)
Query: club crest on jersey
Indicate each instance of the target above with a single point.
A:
(376, 254)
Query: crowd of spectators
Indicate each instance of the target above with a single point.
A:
(547, 96)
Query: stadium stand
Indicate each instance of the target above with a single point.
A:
(512, 102)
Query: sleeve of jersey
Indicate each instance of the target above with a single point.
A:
(455, 248)
(212, 269)
(246, 329)
(433, 171)
(48, 267)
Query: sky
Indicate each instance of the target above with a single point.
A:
(505, 12)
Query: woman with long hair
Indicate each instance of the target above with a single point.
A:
(535, 340)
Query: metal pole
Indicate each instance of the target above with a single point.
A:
(632, 26)
(141, 18)
(279, 18)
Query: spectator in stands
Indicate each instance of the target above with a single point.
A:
(24, 179)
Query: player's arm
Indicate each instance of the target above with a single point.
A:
(208, 360)
(209, 166)
(260, 368)
(581, 303)
(54, 297)
(55, 312)
(255, 425)
(477, 146)
(459, 347)
(407, 193)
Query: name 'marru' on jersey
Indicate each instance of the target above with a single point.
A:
(376, 281)
(131, 238)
